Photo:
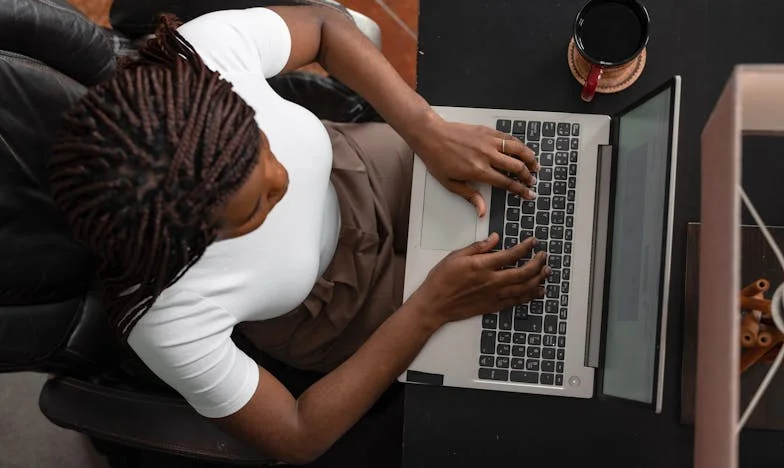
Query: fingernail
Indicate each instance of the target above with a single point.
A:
(534, 241)
(532, 194)
(533, 180)
(548, 271)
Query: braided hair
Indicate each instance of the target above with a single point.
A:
(142, 164)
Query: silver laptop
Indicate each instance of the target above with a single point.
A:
(604, 212)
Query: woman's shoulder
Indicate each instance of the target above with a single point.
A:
(182, 312)
(221, 21)
(186, 341)
(254, 40)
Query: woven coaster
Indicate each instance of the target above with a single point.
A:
(614, 79)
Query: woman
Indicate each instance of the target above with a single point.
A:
(213, 203)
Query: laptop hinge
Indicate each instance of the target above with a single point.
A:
(601, 218)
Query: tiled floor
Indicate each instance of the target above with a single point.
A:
(398, 20)
(28, 439)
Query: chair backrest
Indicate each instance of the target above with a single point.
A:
(48, 53)
(53, 32)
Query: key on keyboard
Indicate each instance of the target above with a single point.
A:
(504, 126)
(533, 132)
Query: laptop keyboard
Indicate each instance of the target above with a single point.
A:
(527, 343)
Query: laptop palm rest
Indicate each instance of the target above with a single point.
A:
(448, 221)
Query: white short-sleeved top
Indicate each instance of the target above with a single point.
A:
(186, 337)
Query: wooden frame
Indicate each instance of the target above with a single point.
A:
(751, 103)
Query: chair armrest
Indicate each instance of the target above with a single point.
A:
(141, 420)
(365, 24)
(368, 27)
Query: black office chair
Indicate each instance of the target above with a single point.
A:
(51, 319)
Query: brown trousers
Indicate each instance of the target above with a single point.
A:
(371, 172)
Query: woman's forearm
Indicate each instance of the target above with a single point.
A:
(336, 402)
(350, 56)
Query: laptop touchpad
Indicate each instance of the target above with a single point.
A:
(448, 220)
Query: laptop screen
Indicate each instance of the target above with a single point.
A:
(638, 227)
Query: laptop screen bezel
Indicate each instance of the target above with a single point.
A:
(673, 86)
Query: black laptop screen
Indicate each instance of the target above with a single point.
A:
(638, 232)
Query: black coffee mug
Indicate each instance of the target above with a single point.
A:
(609, 34)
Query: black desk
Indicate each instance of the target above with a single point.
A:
(512, 54)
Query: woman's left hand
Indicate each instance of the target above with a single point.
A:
(457, 154)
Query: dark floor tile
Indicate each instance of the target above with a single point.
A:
(96, 10)
(399, 47)
(406, 10)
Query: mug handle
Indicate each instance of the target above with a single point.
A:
(589, 90)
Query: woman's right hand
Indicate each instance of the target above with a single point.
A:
(473, 281)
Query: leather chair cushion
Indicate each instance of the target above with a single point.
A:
(39, 260)
(53, 32)
(48, 53)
